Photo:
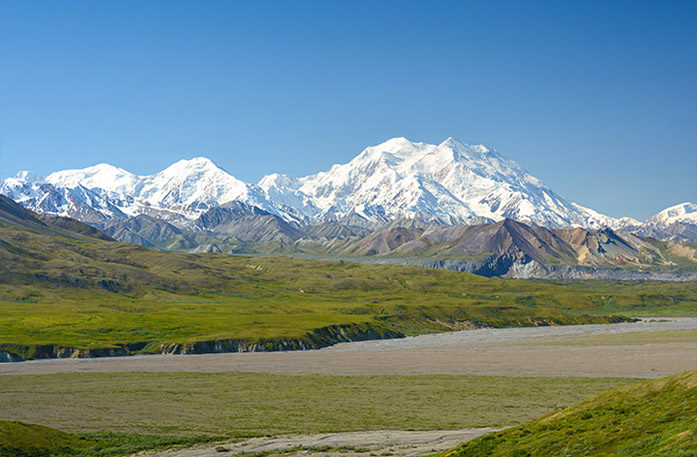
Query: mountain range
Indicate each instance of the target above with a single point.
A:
(396, 200)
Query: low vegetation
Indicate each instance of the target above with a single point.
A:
(245, 404)
(637, 298)
(654, 418)
(632, 338)
(66, 291)
(18, 439)
(92, 294)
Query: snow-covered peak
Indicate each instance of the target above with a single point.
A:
(29, 177)
(186, 187)
(676, 223)
(480, 148)
(451, 182)
(23, 178)
(597, 220)
(284, 192)
(196, 184)
(394, 150)
(276, 180)
(102, 176)
(195, 165)
(684, 213)
(452, 143)
(484, 160)
(402, 146)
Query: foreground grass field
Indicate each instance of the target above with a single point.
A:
(19, 439)
(244, 404)
(654, 418)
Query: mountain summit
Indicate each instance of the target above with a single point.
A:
(449, 183)
(677, 223)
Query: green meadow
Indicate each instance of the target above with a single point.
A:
(18, 439)
(79, 292)
(75, 291)
(654, 418)
(633, 338)
(252, 404)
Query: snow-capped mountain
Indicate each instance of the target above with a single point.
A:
(79, 202)
(676, 223)
(284, 190)
(626, 224)
(449, 183)
(678, 214)
(187, 187)
(181, 192)
(107, 177)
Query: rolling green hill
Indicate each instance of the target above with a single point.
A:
(68, 291)
(654, 418)
(18, 439)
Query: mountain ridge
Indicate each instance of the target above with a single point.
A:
(506, 248)
(451, 183)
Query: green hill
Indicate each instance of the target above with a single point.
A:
(654, 418)
(19, 439)
(66, 290)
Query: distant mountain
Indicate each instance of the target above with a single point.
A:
(449, 183)
(149, 232)
(15, 215)
(505, 248)
(179, 194)
(247, 223)
(187, 188)
(510, 248)
(677, 223)
(232, 227)
(398, 183)
(35, 193)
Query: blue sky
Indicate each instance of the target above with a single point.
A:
(597, 99)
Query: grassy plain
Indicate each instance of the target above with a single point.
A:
(637, 298)
(19, 439)
(256, 299)
(244, 404)
(655, 418)
(634, 338)
(86, 293)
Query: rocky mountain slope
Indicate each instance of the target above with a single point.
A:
(15, 215)
(505, 248)
(513, 249)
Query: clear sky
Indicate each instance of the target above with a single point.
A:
(597, 99)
